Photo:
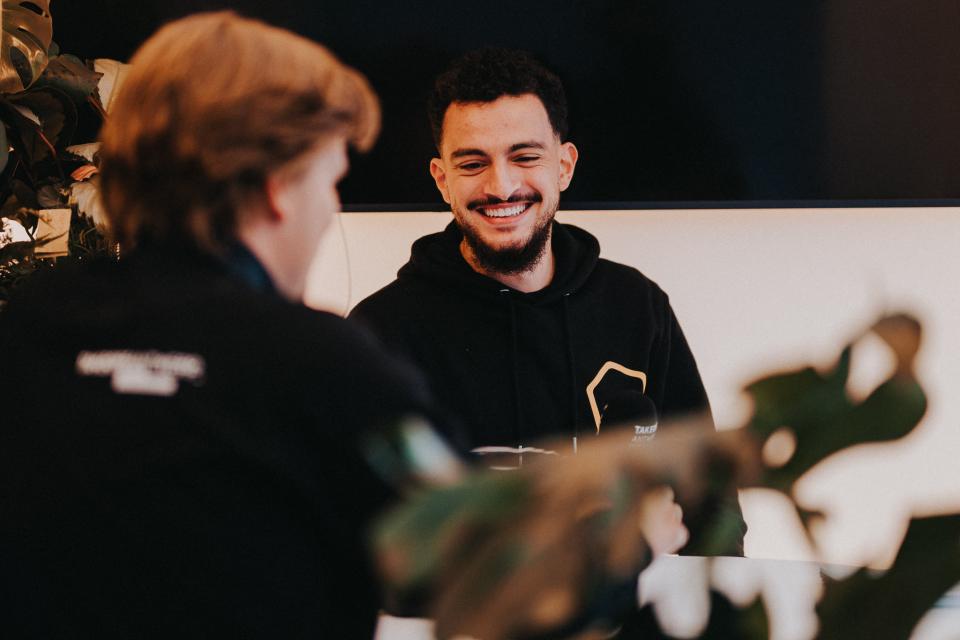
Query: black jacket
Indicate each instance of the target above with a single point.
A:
(178, 455)
(515, 366)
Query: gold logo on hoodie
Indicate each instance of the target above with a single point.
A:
(608, 366)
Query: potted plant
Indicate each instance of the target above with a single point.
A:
(49, 205)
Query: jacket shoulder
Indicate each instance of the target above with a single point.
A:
(395, 299)
(622, 278)
(389, 294)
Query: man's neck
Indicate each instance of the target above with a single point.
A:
(534, 279)
(266, 242)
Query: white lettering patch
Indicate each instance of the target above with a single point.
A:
(642, 433)
(150, 373)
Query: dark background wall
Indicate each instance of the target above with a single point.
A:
(743, 102)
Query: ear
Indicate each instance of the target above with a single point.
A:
(439, 174)
(276, 198)
(568, 162)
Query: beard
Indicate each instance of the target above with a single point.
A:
(514, 259)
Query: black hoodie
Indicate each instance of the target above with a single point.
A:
(232, 503)
(517, 367)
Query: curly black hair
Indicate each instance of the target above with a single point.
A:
(487, 74)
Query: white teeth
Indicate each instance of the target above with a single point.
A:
(506, 212)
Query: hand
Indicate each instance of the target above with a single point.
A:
(661, 522)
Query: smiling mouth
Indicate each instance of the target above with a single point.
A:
(501, 211)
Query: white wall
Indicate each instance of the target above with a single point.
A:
(755, 291)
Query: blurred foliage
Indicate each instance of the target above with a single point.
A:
(816, 408)
(548, 550)
(727, 622)
(25, 38)
(815, 411)
(18, 262)
(41, 108)
(889, 605)
(554, 545)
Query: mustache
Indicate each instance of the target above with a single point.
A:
(532, 197)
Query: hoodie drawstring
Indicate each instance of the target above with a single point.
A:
(515, 365)
(572, 371)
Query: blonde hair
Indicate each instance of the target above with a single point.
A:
(213, 105)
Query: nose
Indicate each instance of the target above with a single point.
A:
(503, 180)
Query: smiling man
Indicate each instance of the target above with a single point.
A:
(501, 170)
(523, 330)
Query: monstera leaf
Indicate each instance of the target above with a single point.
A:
(813, 412)
(27, 30)
(38, 118)
(891, 605)
(68, 74)
(726, 622)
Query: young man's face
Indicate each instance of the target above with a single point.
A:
(501, 170)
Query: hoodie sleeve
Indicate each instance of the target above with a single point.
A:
(684, 393)
(683, 390)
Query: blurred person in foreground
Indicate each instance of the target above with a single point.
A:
(178, 454)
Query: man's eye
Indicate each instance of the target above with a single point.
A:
(526, 158)
(471, 166)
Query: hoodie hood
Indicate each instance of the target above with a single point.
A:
(436, 258)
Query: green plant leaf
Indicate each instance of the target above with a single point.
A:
(56, 113)
(816, 408)
(726, 622)
(416, 535)
(70, 75)
(891, 605)
(24, 132)
(509, 554)
(27, 30)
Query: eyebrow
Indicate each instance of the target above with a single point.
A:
(530, 144)
(461, 153)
